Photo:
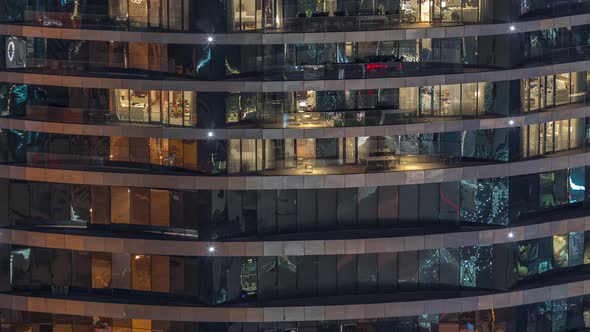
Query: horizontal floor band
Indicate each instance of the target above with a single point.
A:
(292, 248)
(301, 313)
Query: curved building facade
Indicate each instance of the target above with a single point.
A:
(294, 165)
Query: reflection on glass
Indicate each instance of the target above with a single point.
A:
(101, 270)
(560, 250)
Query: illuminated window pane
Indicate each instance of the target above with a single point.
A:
(101, 270)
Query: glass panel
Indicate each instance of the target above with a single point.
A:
(248, 155)
(140, 206)
(155, 106)
(408, 98)
(533, 140)
(562, 89)
(367, 206)
(576, 131)
(120, 205)
(234, 157)
(576, 184)
(154, 13)
(138, 13)
(141, 273)
(367, 273)
(408, 268)
(534, 94)
(468, 267)
(469, 99)
(20, 268)
(562, 135)
(190, 109)
(576, 248)
(160, 207)
(449, 266)
(387, 271)
(121, 104)
(560, 250)
(347, 274)
(101, 270)
(546, 191)
(176, 108)
(139, 106)
(450, 209)
(429, 268)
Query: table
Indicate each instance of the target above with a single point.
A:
(375, 161)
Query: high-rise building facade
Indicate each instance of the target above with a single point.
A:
(294, 165)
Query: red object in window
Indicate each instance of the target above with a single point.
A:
(375, 66)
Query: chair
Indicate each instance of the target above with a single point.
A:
(308, 167)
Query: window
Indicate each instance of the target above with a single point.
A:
(429, 268)
(141, 272)
(560, 251)
(101, 270)
(120, 205)
(176, 108)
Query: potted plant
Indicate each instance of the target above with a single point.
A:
(102, 327)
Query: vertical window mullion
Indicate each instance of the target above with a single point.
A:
(149, 25)
(182, 107)
(461, 99)
(528, 141)
(241, 156)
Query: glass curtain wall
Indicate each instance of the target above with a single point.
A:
(301, 156)
(276, 15)
(299, 109)
(231, 214)
(308, 61)
(230, 280)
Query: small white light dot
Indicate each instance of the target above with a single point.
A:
(510, 235)
(511, 122)
(137, 256)
(211, 249)
(210, 134)
(210, 39)
(512, 28)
